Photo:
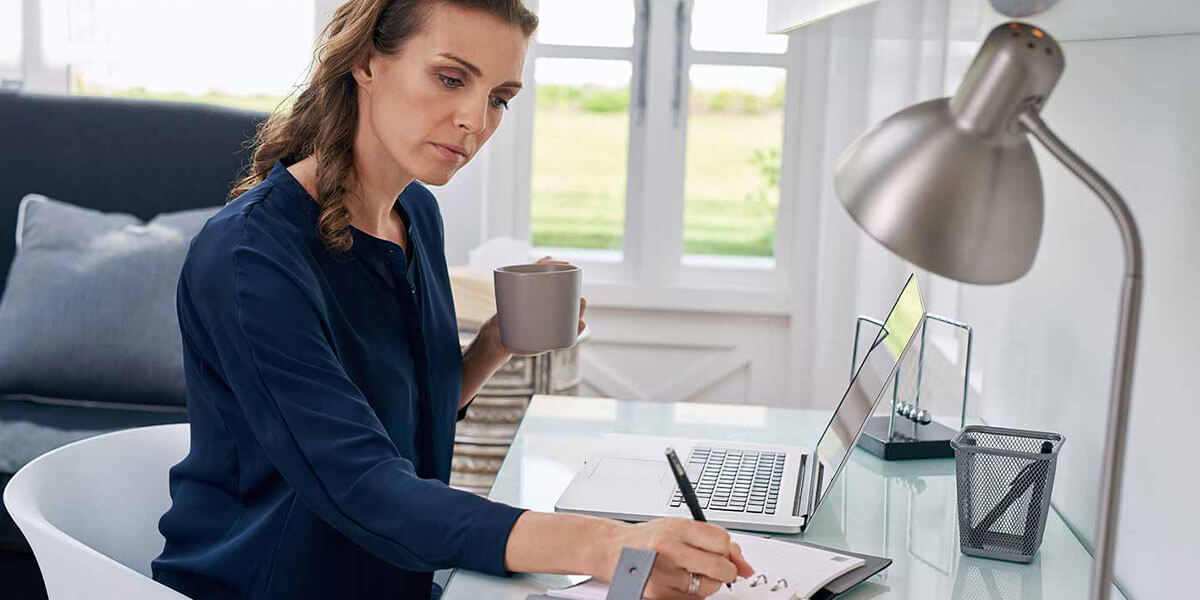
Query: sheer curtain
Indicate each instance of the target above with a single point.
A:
(860, 67)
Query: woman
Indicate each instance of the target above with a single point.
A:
(323, 369)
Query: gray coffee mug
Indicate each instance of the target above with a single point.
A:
(538, 306)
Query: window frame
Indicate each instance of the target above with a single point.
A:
(652, 271)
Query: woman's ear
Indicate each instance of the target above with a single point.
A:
(364, 71)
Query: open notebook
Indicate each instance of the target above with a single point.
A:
(790, 571)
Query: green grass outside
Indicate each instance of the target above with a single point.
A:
(578, 183)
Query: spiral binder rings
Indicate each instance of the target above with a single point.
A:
(785, 570)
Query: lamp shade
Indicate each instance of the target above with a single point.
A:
(952, 185)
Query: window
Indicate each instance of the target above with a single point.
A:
(579, 178)
(583, 76)
(658, 136)
(213, 51)
(10, 42)
(735, 131)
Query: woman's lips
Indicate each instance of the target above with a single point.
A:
(450, 153)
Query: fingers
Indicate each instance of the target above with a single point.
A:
(582, 310)
(670, 582)
(694, 560)
(548, 260)
(739, 560)
(704, 536)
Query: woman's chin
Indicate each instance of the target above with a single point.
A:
(437, 176)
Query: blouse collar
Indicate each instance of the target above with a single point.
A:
(303, 206)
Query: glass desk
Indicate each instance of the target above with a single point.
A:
(903, 510)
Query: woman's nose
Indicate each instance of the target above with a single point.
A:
(472, 116)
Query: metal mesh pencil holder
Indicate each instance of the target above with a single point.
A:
(1004, 479)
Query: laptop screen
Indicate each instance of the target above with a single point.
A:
(863, 394)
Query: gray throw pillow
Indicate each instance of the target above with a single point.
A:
(89, 308)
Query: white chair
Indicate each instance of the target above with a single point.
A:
(90, 511)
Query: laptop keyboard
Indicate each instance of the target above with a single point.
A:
(734, 480)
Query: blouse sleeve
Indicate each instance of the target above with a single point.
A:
(317, 428)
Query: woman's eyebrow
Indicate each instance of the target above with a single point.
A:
(475, 70)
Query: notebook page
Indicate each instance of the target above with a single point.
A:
(806, 570)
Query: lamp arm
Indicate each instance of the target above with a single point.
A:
(1123, 361)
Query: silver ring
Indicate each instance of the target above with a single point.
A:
(693, 585)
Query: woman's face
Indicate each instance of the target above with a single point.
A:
(433, 104)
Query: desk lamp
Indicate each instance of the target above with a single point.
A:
(952, 185)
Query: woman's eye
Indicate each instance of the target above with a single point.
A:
(450, 82)
(498, 102)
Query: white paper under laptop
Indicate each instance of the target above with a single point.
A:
(756, 487)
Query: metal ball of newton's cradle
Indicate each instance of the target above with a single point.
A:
(912, 413)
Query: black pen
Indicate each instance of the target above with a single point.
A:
(685, 487)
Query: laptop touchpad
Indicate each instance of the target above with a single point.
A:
(630, 469)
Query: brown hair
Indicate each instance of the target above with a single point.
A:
(324, 119)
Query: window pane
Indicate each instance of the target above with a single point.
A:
(580, 145)
(10, 40)
(104, 43)
(734, 26)
(734, 139)
(586, 22)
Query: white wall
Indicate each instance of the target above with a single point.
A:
(671, 356)
(1131, 106)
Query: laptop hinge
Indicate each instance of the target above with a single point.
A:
(800, 486)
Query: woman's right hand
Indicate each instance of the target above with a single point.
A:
(684, 547)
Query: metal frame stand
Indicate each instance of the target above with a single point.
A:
(630, 578)
(918, 436)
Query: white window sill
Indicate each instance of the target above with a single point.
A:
(730, 300)
(712, 284)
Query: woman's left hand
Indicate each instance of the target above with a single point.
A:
(492, 327)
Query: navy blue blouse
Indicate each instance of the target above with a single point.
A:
(322, 392)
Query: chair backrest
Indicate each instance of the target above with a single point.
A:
(90, 511)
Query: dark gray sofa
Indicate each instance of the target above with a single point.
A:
(137, 157)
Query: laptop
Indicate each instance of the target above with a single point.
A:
(753, 487)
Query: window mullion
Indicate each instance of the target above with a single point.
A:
(748, 59)
(788, 248)
(511, 151)
(600, 52)
(659, 205)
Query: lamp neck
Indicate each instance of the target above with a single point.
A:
(1131, 239)
(1111, 472)
(1015, 69)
